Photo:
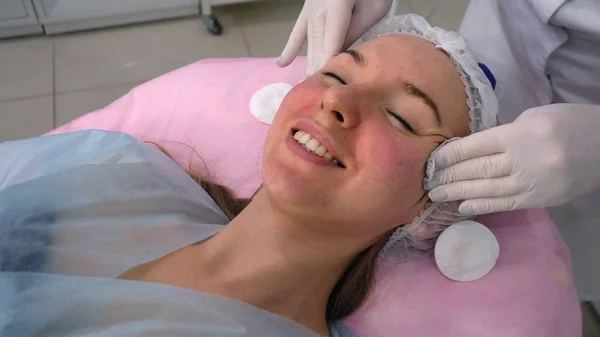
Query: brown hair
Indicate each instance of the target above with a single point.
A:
(355, 283)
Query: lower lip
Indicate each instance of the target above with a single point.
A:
(303, 153)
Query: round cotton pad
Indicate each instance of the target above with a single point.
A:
(266, 101)
(466, 251)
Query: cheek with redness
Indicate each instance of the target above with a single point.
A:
(303, 99)
(399, 162)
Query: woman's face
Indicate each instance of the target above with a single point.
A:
(379, 111)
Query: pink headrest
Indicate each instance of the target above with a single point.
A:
(204, 107)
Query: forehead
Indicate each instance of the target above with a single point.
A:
(410, 58)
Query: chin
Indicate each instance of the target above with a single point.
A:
(293, 187)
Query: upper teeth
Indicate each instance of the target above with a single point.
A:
(312, 144)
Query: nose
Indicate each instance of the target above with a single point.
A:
(341, 105)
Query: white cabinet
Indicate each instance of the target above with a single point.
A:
(17, 17)
(60, 16)
(20, 17)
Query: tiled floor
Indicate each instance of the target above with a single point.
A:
(47, 81)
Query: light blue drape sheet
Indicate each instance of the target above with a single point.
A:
(79, 209)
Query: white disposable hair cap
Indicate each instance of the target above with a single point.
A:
(418, 238)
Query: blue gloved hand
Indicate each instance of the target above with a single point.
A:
(331, 26)
(546, 157)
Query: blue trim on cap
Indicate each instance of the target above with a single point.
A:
(488, 74)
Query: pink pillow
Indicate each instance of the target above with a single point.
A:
(204, 106)
(200, 108)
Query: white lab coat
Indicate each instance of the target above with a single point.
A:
(542, 52)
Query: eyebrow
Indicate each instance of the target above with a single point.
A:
(356, 56)
(408, 87)
(412, 90)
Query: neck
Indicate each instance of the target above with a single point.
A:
(275, 262)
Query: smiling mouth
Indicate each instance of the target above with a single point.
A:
(312, 145)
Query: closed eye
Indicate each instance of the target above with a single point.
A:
(401, 120)
(391, 113)
(335, 76)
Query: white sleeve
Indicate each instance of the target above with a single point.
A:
(482, 27)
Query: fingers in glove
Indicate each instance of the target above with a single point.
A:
(476, 145)
(492, 166)
(336, 27)
(295, 42)
(316, 30)
(358, 27)
(491, 205)
(475, 189)
(364, 17)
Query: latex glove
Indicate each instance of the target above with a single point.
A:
(331, 26)
(546, 157)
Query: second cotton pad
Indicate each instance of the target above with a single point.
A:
(466, 251)
(266, 101)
